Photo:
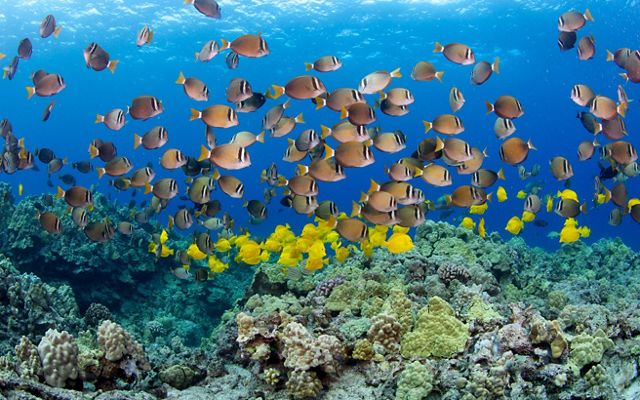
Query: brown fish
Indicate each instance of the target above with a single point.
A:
(216, 116)
(474, 163)
(425, 71)
(49, 222)
(305, 87)
(561, 168)
(456, 99)
(48, 85)
(238, 90)
(324, 170)
(532, 203)
(391, 109)
(482, 71)
(569, 208)
(345, 131)
(303, 185)
(437, 175)
(76, 196)
(164, 189)
(621, 152)
(209, 50)
(359, 114)
(586, 149)
(99, 231)
(456, 53)
(447, 124)
(230, 185)
(398, 96)
(572, 21)
(377, 81)
(514, 151)
(605, 108)
(339, 99)
(506, 107)
(430, 149)
(619, 195)
(98, 59)
(325, 64)
(251, 46)
(467, 196)
(620, 56)
(145, 107)
(246, 139)
(113, 120)
(228, 156)
(485, 178)
(286, 125)
(582, 95)
(456, 150)
(273, 116)
(586, 48)
(172, 159)
(152, 139)
(182, 219)
(402, 172)
(142, 176)
(193, 87)
(145, 35)
(116, 167)
(504, 128)
(390, 142)
(292, 154)
(380, 201)
(352, 229)
(351, 154)
(49, 27)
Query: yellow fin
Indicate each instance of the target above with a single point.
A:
(438, 48)
(99, 118)
(299, 119)
(308, 66)
(204, 153)
(427, 126)
(496, 65)
(137, 140)
(113, 64)
(260, 137)
(100, 172)
(396, 73)
(439, 75)
(181, 79)
(195, 114)
(30, 91)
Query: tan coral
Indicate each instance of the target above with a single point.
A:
(386, 331)
(303, 384)
(59, 355)
(302, 351)
(116, 343)
(363, 350)
(28, 366)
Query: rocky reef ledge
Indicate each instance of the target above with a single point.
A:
(457, 317)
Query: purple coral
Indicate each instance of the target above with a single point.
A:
(325, 288)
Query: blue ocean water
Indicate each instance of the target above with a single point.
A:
(367, 36)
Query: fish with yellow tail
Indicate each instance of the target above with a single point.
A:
(514, 226)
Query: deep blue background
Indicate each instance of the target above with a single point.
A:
(367, 36)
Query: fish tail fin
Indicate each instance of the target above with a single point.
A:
(427, 126)
(150, 37)
(363, 197)
(56, 32)
(100, 172)
(495, 67)
(93, 151)
(137, 140)
(376, 104)
(30, 91)
(299, 118)
(530, 145)
(260, 137)
(277, 92)
(320, 102)
(2, 55)
(418, 172)
(181, 79)
(188, 1)
(501, 174)
(382, 94)
(439, 75)
(113, 64)
(326, 131)
(170, 222)
(328, 151)
(308, 66)
(439, 144)
(5, 73)
(204, 153)
(59, 193)
(282, 181)
(396, 73)
(344, 113)
(302, 170)
(355, 209)
(624, 76)
(197, 55)
(489, 107)
(583, 208)
(595, 143)
(215, 175)
(373, 186)
(195, 114)
(588, 16)
(224, 45)
(245, 204)
(147, 188)
(610, 56)
(490, 197)
(438, 48)
(448, 199)
(99, 118)
(622, 109)
(598, 128)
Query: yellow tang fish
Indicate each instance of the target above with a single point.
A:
(521, 194)
(399, 243)
(479, 210)
(528, 216)
(514, 226)
(468, 223)
(481, 229)
(502, 194)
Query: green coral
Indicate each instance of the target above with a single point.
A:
(587, 349)
(398, 305)
(355, 295)
(481, 311)
(414, 383)
(437, 333)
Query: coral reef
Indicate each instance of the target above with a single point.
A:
(457, 317)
